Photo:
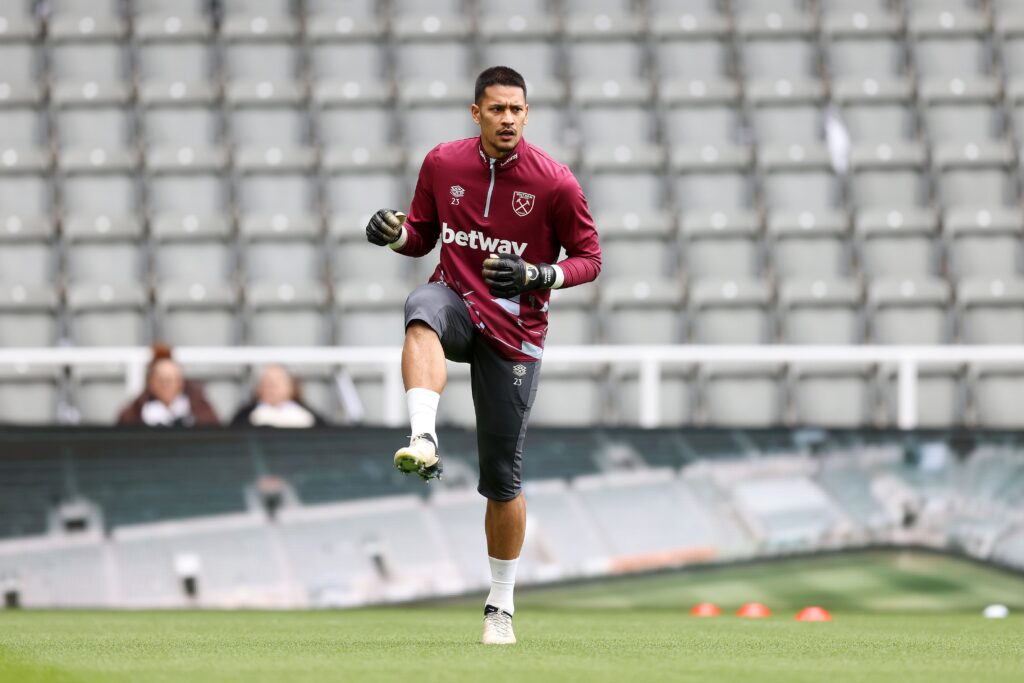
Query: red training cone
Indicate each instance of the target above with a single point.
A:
(813, 614)
(705, 609)
(753, 610)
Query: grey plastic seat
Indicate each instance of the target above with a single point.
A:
(546, 128)
(695, 58)
(537, 60)
(774, 58)
(720, 244)
(99, 393)
(948, 57)
(864, 57)
(436, 123)
(349, 72)
(731, 311)
(104, 251)
(369, 313)
(107, 128)
(975, 175)
(623, 124)
(262, 72)
(789, 124)
(29, 395)
(717, 124)
(963, 122)
(108, 315)
(820, 311)
(990, 310)
(635, 244)
(742, 395)
(996, 392)
(20, 71)
(269, 8)
(187, 139)
(642, 311)
(282, 250)
(353, 258)
(271, 138)
(424, 61)
(573, 317)
(285, 314)
(642, 190)
(809, 244)
(798, 178)
(193, 314)
(28, 316)
(282, 204)
(584, 382)
(836, 396)
(169, 7)
(897, 242)
(713, 178)
(909, 311)
(188, 247)
(176, 68)
(26, 204)
(363, 193)
(983, 242)
(618, 60)
(888, 175)
(677, 405)
(883, 122)
(370, 126)
(941, 396)
(106, 203)
(89, 73)
(28, 254)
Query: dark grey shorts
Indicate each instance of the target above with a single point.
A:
(503, 390)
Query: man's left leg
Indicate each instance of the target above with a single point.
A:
(503, 392)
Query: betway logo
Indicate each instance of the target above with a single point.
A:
(474, 239)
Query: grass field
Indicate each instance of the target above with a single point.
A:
(897, 617)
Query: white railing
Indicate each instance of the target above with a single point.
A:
(649, 360)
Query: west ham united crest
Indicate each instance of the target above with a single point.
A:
(522, 203)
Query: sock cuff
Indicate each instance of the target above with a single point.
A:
(421, 394)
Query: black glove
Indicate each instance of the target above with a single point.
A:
(508, 275)
(385, 227)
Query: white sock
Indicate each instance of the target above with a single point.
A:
(422, 404)
(503, 582)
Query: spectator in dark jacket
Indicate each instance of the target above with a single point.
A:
(277, 403)
(168, 400)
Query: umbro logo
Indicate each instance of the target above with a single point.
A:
(458, 192)
(519, 370)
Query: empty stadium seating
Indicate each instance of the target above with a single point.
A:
(151, 150)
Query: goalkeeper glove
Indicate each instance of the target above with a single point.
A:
(508, 275)
(385, 227)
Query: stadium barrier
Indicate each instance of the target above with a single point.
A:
(648, 359)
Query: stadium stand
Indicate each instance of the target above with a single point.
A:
(153, 150)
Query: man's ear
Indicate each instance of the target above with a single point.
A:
(474, 109)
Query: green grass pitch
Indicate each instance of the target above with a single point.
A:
(903, 617)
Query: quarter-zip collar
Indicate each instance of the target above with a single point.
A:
(504, 163)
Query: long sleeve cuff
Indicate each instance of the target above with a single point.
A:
(400, 242)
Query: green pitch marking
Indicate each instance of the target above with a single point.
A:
(563, 637)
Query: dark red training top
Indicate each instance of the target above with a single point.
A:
(526, 203)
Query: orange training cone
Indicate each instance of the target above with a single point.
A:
(813, 614)
(753, 610)
(705, 609)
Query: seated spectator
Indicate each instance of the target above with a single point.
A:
(277, 403)
(168, 400)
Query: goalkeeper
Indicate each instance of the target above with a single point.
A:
(503, 209)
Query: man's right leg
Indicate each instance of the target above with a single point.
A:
(436, 326)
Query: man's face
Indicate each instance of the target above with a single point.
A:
(501, 114)
(275, 386)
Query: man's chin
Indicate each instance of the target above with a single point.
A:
(504, 146)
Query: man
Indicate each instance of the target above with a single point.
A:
(503, 209)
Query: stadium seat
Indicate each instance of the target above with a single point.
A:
(820, 311)
(809, 243)
(572, 318)
(103, 204)
(24, 141)
(733, 311)
(585, 383)
(941, 396)
(88, 74)
(720, 243)
(837, 395)
(897, 242)
(742, 395)
(798, 178)
(712, 178)
(346, 71)
(863, 45)
(615, 60)
(908, 311)
(635, 245)
(20, 73)
(108, 315)
(621, 190)
(271, 138)
(888, 122)
(948, 43)
(777, 46)
(642, 311)
(223, 386)
(192, 239)
(29, 395)
(194, 314)
(28, 316)
(104, 251)
(281, 248)
(26, 205)
(353, 258)
(974, 174)
(28, 253)
(888, 176)
(990, 310)
(183, 139)
(983, 242)
(711, 121)
(360, 194)
(262, 73)
(996, 393)
(98, 393)
(369, 313)
(19, 22)
(676, 396)
(176, 73)
(286, 314)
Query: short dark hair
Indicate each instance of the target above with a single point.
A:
(498, 75)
